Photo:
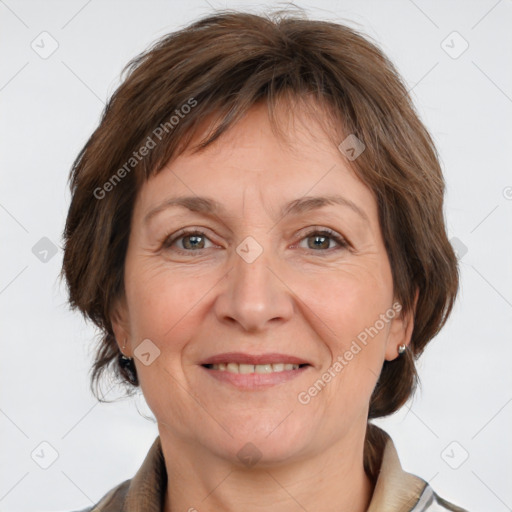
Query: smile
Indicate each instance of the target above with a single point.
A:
(253, 377)
(253, 368)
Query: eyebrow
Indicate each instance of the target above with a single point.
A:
(206, 205)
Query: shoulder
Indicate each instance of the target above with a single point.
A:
(112, 501)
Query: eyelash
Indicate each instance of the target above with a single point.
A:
(169, 240)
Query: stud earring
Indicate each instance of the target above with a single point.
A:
(401, 349)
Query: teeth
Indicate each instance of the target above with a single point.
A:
(245, 368)
(263, 368)
(254, 368)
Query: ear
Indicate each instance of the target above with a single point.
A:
(400, 331)
(120, 325)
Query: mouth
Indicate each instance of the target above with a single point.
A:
(254, 372)
(254, 368)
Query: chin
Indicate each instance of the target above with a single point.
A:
(263, 444)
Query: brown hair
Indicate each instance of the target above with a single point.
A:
(220, 66)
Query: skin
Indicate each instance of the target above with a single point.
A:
(295, 298)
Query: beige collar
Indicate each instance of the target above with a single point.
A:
(396, 490)
(147, 488)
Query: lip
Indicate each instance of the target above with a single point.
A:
(255, 381)
(242, 358)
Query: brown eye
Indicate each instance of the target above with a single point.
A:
(193, 241)
(187, 241)
(321, 241)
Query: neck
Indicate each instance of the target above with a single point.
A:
(332, 481)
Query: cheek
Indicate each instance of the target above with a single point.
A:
(350, 302)
(348, 315)
(164, 303)
(166, 308)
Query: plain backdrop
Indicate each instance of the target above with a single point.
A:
(61, 60)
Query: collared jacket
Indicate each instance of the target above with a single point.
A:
(395, 489)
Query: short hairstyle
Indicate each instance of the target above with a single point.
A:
(218, 68)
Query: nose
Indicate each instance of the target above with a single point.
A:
(254, 294)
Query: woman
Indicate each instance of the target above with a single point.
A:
(266, 256)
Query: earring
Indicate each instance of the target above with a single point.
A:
(401, 349)
(127, 364)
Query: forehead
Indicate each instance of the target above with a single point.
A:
(252, 164)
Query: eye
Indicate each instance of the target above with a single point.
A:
(321, 239)
(188, 240)
(318, 240)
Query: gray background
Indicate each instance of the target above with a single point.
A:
(50, 104)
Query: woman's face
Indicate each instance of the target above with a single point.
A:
(275, 276)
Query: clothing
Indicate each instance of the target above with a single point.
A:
(395, 489)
